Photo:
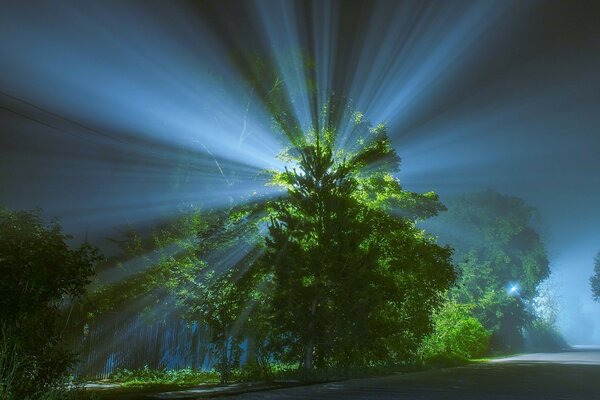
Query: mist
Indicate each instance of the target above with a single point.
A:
(120, 114)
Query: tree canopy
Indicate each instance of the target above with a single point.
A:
(500, 258)
(333, 272)
(350, 278)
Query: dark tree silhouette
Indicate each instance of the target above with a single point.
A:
(39, 274)
(595, 279)
(352, 279)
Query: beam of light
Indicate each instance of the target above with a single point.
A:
(145, 320)
(289, 62)
(128, 180)
(140, 263)
(111, 114)
(224, 252)
(178, 103)
(167, 122)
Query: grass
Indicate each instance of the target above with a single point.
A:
(149, 380)
(149, 377)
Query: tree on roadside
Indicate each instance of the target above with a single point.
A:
(351, 278)
(456, 338)
(501, 261)
(344, 276)
(40, 274)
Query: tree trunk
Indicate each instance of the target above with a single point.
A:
(308, 354)
(310, 343)
(224, 360)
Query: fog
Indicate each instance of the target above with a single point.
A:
(116, 114)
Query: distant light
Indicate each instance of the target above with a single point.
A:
(513, 289)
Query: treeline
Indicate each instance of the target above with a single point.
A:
(502, 269)
(341, 271)
(329, 275)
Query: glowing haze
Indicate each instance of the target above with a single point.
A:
(116, 113)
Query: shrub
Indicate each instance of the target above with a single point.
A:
(456, 337)
(147, 376)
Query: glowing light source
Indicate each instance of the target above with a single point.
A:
(513, 289)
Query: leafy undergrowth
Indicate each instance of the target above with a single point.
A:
(147, 378)
(150, 377)
(457, 337)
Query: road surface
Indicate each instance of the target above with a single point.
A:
(545, 376)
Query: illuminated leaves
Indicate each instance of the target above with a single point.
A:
(354, 280)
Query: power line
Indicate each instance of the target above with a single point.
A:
(55, 115)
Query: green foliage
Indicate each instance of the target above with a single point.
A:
(147, 263)
(39, 269)
(219, 308)
(344, 280)
(171, 260)
(347, 226)
(148, 377)
(542, 334)
(495, 246)
(542, 337)
(595, 279)
(197, 262)
(457, 337)
(292, 372)
(40, 275)
(218, 295)
(545, 305)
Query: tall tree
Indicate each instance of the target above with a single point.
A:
(352, 279)
(40, 274)
(344, 276)
(500, 257)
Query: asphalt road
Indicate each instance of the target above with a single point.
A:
(545, 376)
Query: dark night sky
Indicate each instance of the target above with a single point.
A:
(103, 103)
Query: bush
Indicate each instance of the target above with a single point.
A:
(147, 376)
(456, 337)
